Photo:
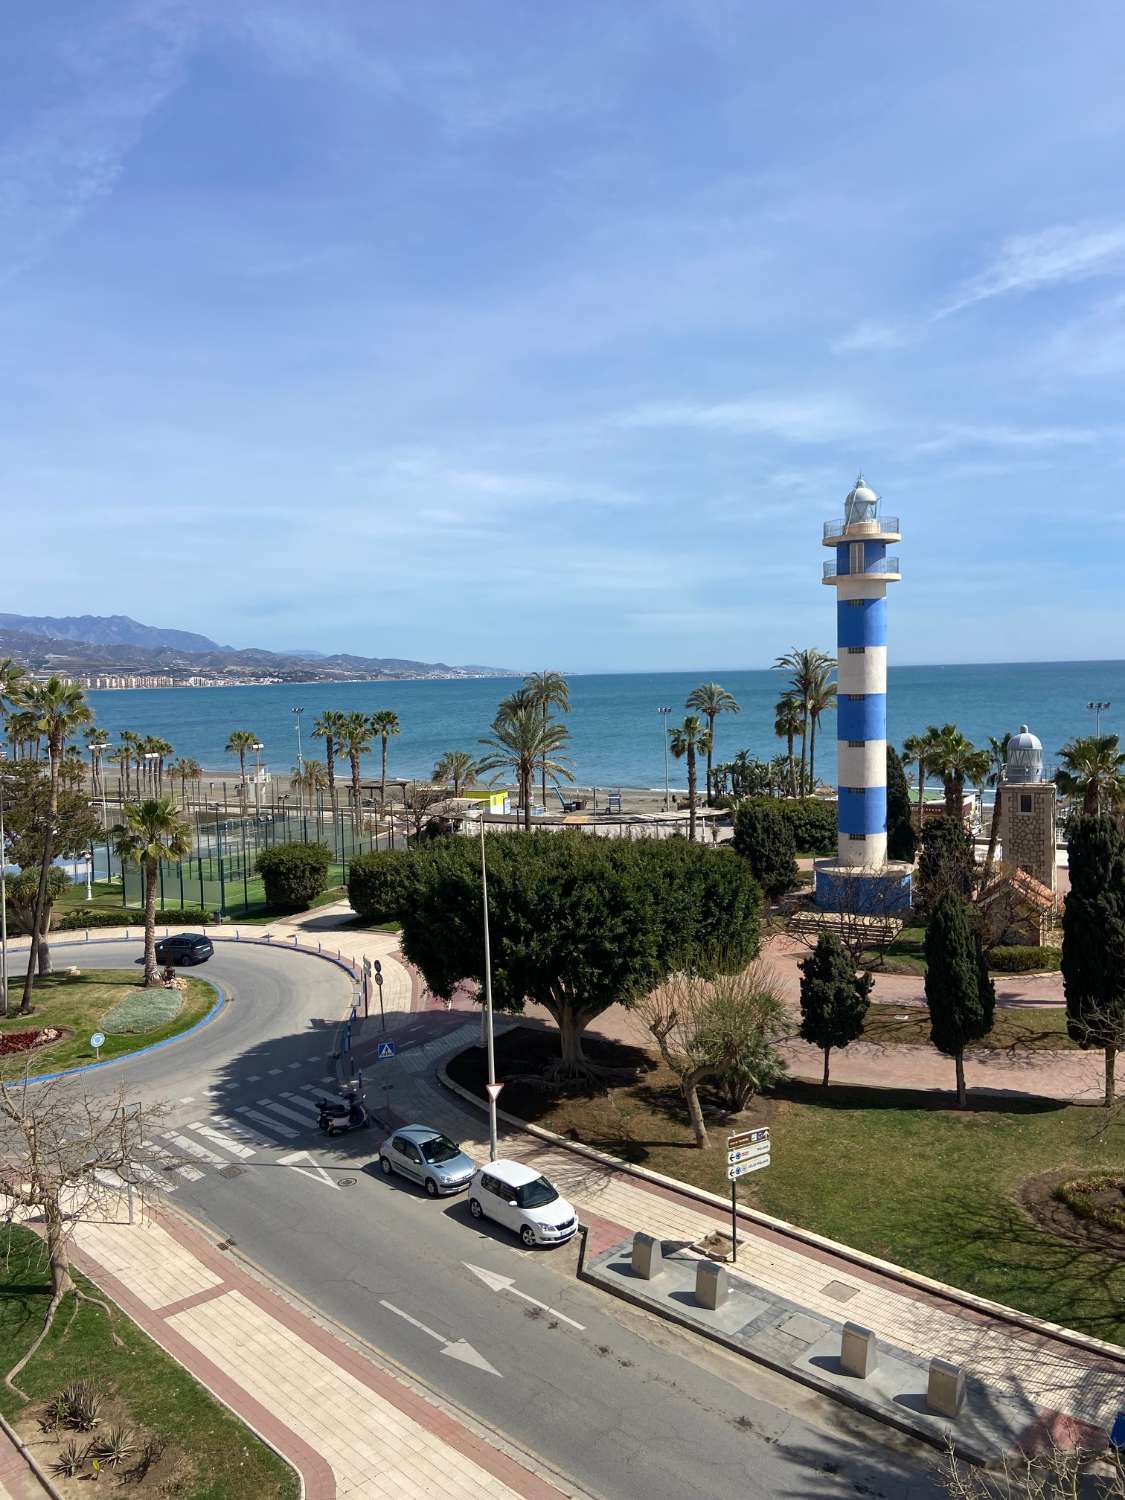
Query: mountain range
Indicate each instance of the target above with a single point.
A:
(115, 645)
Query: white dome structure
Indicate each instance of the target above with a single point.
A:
(1025, 756)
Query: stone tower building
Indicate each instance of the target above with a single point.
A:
(1027, 811)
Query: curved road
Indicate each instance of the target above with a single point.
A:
(624, 1404)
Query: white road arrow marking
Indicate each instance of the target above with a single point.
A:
(457, 1349)
(318, 1174)
(499, 1283)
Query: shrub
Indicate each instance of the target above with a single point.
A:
(1084, 1197)
(764, 838)
(79, 1403)
(381, 884)
(812, 821)
(72, 1460)
(131, 916)
(294, 875)
(1023, 960)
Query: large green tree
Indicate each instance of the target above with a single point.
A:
(788, 723)
(946, 862)
(901, 839)
(577, 923)
(957, 761)
(355, 740)
(59, 709)
(960, 995)
(997, 769)
(763, 836)
(241, 741)
(711, 699)
(330, 728)
(1093, 769)
(808, 669)
(834, 998)
(456, 767)
(152, 830)
(1093, 948)
(384, 725)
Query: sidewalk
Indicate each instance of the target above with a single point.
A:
(17, 1480)
(1054, 1382)
(350, 1424)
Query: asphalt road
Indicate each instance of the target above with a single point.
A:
(622, 1403)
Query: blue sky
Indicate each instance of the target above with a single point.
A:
(548, 335)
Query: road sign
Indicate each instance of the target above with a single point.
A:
(97, 1041)
(741, 1168)
(385, 1049)
(748, 1153)
(748, 1137)
(493, 1090)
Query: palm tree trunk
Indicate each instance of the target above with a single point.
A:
(354, 759)
(383, 775)
(710, 749)
(812, 753)
(543, 762)
(330, 759)
(691, 781)
(804, 744)
(152, 978)
(792, 766)
(1090, 798)
(44, 871)
(526, 773)
(921, 793)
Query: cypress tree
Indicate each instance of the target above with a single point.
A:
(901, 839)
(1093, 947)
(834, 998)
(764, 838)
(946, 863)
(960, 996)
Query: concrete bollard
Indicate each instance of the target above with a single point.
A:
(648, 1256)
(857, 1351)
(711, 1284)
(945, 1393)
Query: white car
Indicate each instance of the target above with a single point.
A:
(522, 1199)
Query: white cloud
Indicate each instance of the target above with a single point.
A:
(872, 336)
(1063, 253)
(953, 435)
(816, 419)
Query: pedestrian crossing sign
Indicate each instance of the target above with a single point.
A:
(385, 1049)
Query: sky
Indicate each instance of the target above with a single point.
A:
(536, 335)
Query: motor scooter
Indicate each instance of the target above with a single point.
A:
(338, 1116)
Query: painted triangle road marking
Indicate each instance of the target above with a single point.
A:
(310, 1169)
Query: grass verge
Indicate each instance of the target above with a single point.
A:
(78, 1004)
(901, 1175)
(1035, 1028)
(209, 1454)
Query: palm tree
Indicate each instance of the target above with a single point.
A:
(238, 744)
(711, 700)
(822, 698)
(519, 742)
(956, 760)
(787, 725)
(120, 758)
(916, 752)
(384, 724)
(152, 830)
(12, 684)
(1092, 768)
(22, 731)
(97, 742)
(187, 770)
(130, 744)
(549, 690)
(60, 709)
(688, 739)
(310, 779)
(998, 762)
(355, 740)
(329, 728)
(806, 666)
(458, 767)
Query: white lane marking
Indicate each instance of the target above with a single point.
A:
(456, 1348)
(194, 1149)
(500, 1283)
(273, 1072)
(253, 1078)
(290, 1114)
(193, 1174)
(294, 1065)
(240, 1131)
(309, 1169)
(255, 1114)
(222, 1141)
(301, 1104)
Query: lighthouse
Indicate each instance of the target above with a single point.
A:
(860, 877)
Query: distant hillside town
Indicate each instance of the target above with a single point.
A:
(115, 651)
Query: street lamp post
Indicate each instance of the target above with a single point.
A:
(297, 712)
(150, 760)
(258, 748)
(664, 712)
(490, 1039)
(1096, 706)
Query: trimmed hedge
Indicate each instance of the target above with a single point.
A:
(379, 884)
(1023, 960)
(813, 822)
(294, 875)
(130, 916)
(764, 838)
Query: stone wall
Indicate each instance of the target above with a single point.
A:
(1028, 838)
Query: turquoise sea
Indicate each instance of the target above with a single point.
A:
(615, 730)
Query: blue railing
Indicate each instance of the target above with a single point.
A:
(888, 525)
(882, 565)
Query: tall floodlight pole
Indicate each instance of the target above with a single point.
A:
(489, 1037)
(1096, 706)
(258, 748)
(664, 712)
(297, 712)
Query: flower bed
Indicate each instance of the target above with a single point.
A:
(23, 1041)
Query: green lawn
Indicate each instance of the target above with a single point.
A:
(906, 955)
(102, 894)
(898, 1174)
(79, 1004)
(1039, 1028)
(210, 1455)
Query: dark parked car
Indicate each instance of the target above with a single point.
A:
(184, 948)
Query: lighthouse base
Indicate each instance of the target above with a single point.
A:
(865, 890)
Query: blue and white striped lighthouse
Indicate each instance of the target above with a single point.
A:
(860, 877)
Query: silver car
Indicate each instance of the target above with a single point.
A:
(426, 1157)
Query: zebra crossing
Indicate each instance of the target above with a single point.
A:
(233, 1135)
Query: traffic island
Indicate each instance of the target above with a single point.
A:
(838, 1359)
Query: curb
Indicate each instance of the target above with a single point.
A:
(32, 1462)
(886, 1268)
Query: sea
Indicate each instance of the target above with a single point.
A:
(616, 729)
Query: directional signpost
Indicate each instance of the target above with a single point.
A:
(747, 1151)
(97, 1041)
